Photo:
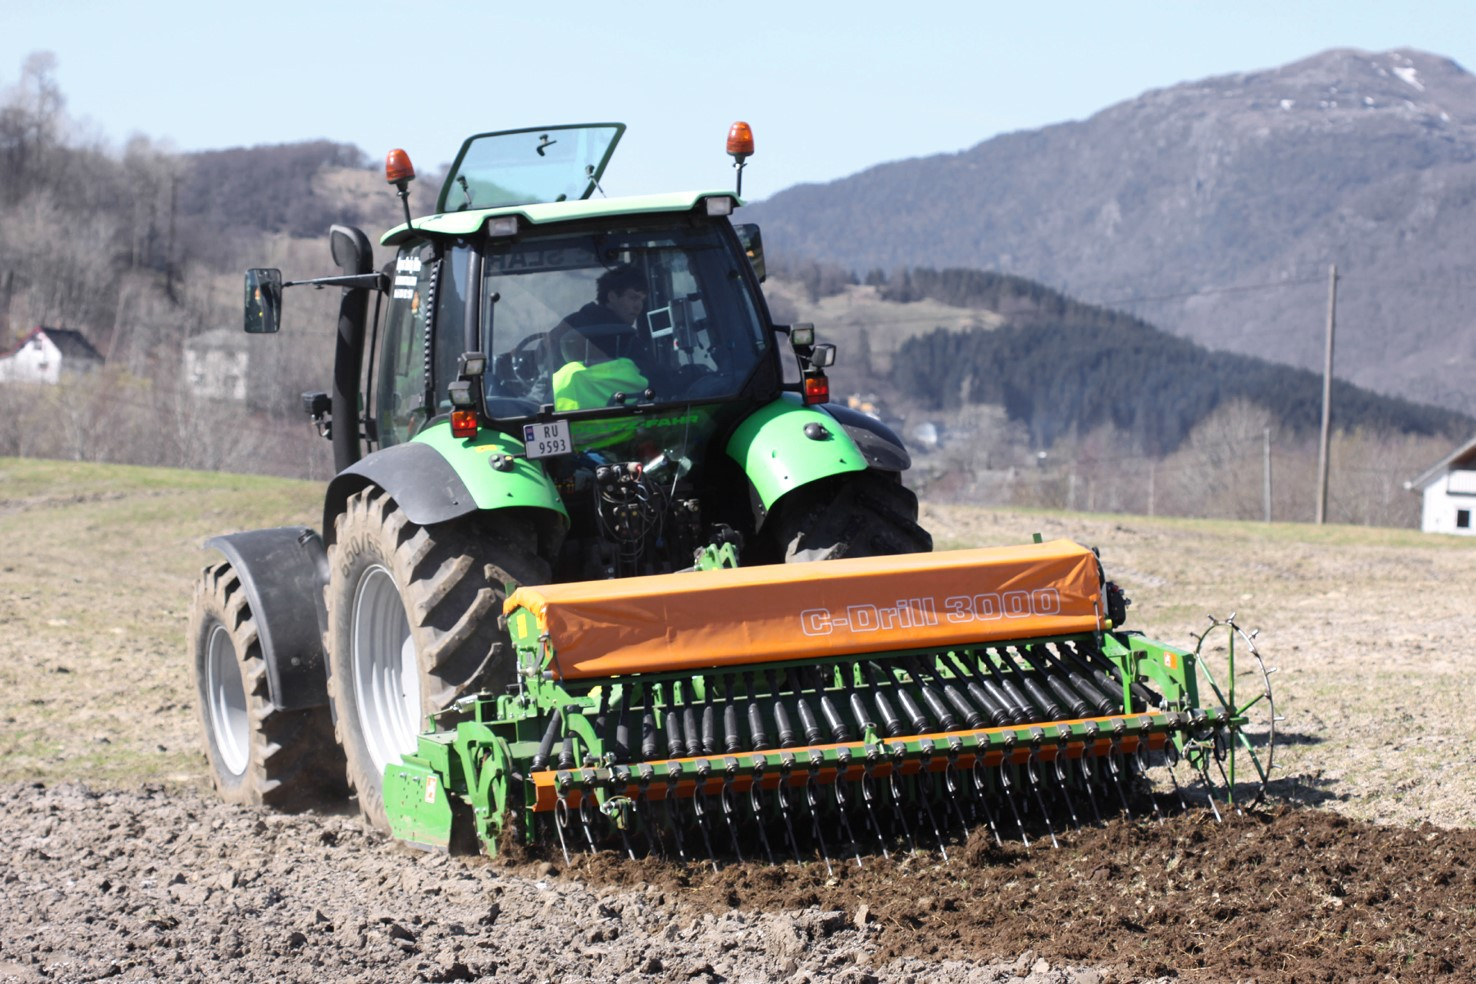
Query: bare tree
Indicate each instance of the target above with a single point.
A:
(31, 127)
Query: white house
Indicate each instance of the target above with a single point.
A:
(45, 354)
(1448, 491)
(216, 363)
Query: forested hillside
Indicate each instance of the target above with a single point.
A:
(1060, 367)
(1212, 209)
(1013, 393)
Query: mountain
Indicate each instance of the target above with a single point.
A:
(1214, 210)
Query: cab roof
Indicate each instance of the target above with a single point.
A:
(471, 222)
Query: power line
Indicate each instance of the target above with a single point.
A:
(1208, 291)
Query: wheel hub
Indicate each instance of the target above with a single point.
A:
(226, 701)
(385, 677)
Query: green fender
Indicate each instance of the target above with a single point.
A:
(524, 483)
(436, 477)
(775, 449)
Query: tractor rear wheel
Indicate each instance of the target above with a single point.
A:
(870, 514)
(258, 754)
(413, 627)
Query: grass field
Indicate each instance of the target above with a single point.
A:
(97, 565)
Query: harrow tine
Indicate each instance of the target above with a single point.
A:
(1219, 757)
(982, 795)
(953, 794)
(1116, 774)
(671, 811)
(651, 839)
(1061, 784)
(901, 815)
(1009, 797)
(725, 797)
(868, 792)
(1141, 763)
(584, 822)
(815, 823)
(1088, 781)
(561, 820)
(758, 811)
(782, 795)
(1171, 757)
(843, 808)
(924, 798)
(1034, 776)
(701, 813)
(1209, 792)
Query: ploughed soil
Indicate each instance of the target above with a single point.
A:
(144, 884)
(116, 861)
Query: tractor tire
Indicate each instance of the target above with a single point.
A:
(258, 755)
(870, 514)
(413, 627)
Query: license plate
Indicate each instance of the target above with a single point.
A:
(544, 440)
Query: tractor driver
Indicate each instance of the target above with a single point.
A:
(594, 347)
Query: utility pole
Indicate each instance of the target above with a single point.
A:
(1327, 365)
(1266, 469)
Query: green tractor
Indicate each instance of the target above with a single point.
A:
(559, 593)
(560, 388)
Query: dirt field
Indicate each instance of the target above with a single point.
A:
(118, 863)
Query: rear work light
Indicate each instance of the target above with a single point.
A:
(463, 423)
(502, 225)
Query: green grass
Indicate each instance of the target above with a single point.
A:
(97, 568)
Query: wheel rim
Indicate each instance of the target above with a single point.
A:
(386, 680)
(225, 698)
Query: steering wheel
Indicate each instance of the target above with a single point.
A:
(523, 367)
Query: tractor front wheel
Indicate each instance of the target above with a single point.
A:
(413, 627)
(258, 754)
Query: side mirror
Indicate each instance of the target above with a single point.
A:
(753, 245)
(263, 301)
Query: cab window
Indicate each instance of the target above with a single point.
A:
(402, 408)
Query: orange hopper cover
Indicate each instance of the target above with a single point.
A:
(703, 619)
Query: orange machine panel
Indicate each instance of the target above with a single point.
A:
(704, 619)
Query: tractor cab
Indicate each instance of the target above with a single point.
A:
(596, 351)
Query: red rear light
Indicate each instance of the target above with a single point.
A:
(740, 140)
(397, 167)
(817, 389)
(463, 423)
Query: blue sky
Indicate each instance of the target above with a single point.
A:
(830, 88)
